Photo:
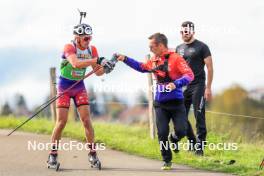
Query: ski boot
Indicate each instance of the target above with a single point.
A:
(93, 159)
(52, 162)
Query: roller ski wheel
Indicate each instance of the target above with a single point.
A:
(55, 166)
(97, 165)
(94, 161)
(52, 162)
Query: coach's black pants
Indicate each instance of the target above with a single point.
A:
(174, 110)
(194, 94)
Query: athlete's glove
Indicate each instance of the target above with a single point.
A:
(113, 61)
(114, 58)
(107, 64)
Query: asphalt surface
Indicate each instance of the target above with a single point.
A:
(17, 160)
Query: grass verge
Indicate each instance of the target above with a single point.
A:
(135, 140)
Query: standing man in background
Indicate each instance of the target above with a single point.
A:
(197, 55)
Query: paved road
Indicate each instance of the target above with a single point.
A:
(17, 160)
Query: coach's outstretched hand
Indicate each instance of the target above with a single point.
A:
(121, 57)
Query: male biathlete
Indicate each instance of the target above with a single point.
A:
(76, 57)
(197, 55)
(172, 73)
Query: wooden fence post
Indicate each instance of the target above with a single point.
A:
(53, 92)
(150, 105)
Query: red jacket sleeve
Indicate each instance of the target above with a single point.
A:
(185, 70)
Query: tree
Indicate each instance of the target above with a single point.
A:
(21, 106)
(142, 99)
(6, 110)
(236, 100)
(93, 102)
(45, 112)
(114, 105)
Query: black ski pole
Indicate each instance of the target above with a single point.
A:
(53, 99)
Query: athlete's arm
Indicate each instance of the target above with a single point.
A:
(70, 54)
(77, 63)
(210, 73)
(99, 72)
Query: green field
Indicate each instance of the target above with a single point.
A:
(135, 140)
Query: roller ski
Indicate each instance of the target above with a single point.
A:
(52, 162)
(94, 161)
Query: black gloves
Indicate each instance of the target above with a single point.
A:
(108, 65)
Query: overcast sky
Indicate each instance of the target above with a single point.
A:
(33, 33)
